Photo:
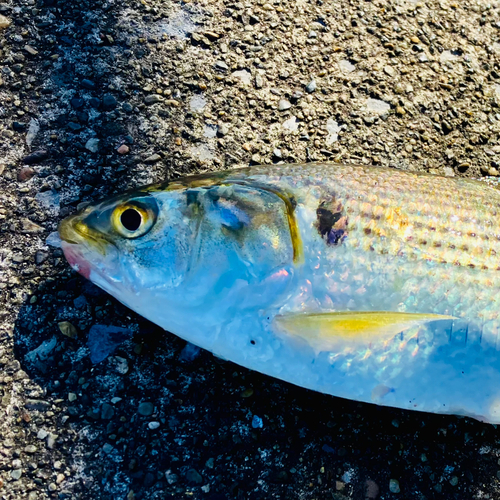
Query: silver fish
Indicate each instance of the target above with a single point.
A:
(371, 284)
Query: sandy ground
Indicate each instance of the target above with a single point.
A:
(97, 97)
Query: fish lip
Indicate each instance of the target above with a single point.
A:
(71, 231)
(68, 232)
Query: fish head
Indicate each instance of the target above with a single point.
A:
(185, 247)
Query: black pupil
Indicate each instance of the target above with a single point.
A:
(131, 219)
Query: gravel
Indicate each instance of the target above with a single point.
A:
(101, 97)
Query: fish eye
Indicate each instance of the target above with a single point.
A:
(131, 220)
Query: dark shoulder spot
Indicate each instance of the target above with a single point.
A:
(331, 221)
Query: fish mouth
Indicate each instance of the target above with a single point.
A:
(75, 231)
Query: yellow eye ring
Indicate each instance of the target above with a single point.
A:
(131, 220)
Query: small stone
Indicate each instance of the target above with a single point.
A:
(153, 158)
(390, 71)
(92, 145)
(88, 84)
(283, 105)
(400, 110)
(153, 425)
(123, 149)
(31, 50)
(77, 102)
(29, 227)
(109, 102)
(257, 422)
(107, 448)
(493, 172)
(371, 489)
(394, 486)
(172, 102)
(153, 99)
(4, 22)
(52, 487)
(36, 157)
(107, 411)
(16, 474)
(454, 481)
(25, 174)
(247, 393)
(127, 107)
(146, 409)
(72, 397)
(42, 434)
(277, 153)
(31, 448)
(311, 86)
(193, 476)
(221, 65)
(259, 81)
(67, 329)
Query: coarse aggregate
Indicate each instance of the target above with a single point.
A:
(98, 97)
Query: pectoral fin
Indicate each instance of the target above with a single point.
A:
(325, 331)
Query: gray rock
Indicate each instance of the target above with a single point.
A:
(221, 65)
(36, 157)
(153, 99)
(16, 474)
(193, 476)
(153, 158)
(311, 86)
(283, 105)
(107, 411)
(146, 409)
(87, 84)
(109, 102)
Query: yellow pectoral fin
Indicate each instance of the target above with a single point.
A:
(324, 331)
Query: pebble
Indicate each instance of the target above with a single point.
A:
(25, 174)
(221, 65)
(4, 22)
(42, 434)
(67, 329)
(153, 425)
(372, 490)
(123, 149)
(92, 145)
(88, 84)
(222, 129)
(72, 397)
(146, 409)
(394, 486)
(283, 105)
(346, 66)
(153, 158)
(257, 422)
(36, 157)
(16, 474)
(107, 448)
(259, 81)
(31, 50)
(311, 86)
(153, 99)
(244, 76)
(193, 476)
(109, 102)
(107, 411)
(31, 448)
(77, 102)
(377, 106)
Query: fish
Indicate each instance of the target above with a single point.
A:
(367, 283)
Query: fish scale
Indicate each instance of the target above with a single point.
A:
(366, 283)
